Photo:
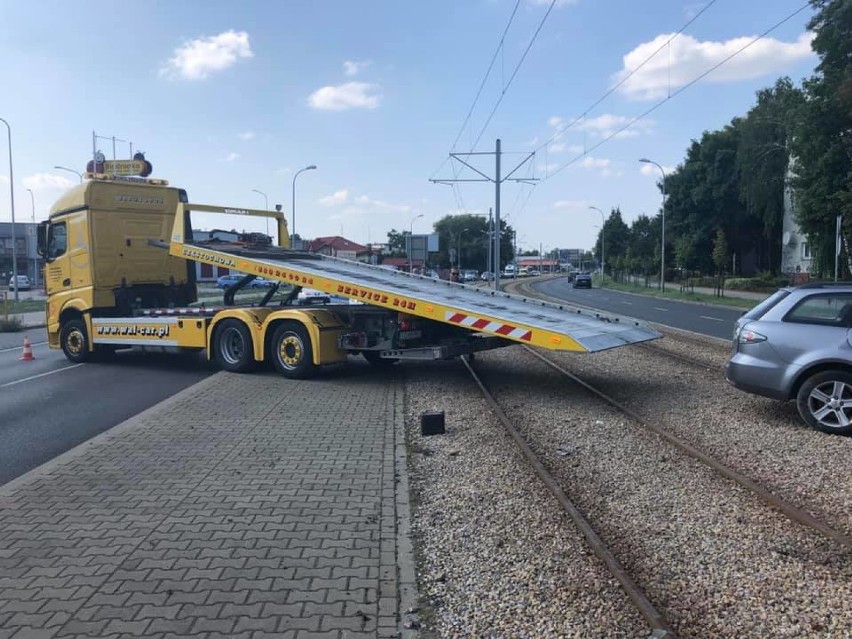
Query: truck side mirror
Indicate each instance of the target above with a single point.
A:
(41, 236)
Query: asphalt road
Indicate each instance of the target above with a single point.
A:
(50, 405)
(707, 319)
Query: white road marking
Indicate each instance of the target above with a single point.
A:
(27, 379)
(628, 303)
(657, 308)
(17, 348)
(715, 319)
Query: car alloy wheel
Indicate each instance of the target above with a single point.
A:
(825, 402)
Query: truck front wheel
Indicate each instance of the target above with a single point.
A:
(291, 352)
(232, 346)
(75, 341)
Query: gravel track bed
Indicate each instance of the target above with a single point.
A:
(496, 556)
(764, 439)
(714, 558)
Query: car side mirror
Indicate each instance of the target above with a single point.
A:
(41, 237)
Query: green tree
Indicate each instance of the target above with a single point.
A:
(469, 235)
(720, 260)
(822, 135)
(762, 160)
(397, 242)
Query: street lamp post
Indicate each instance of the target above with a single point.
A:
(663, 243)
(293, 230)
(265, 207)
(65, 168)
(603, 241)
(410, 234)
(12, 200)
(458, 249)
(35, 263)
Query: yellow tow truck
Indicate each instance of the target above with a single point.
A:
(120, 273)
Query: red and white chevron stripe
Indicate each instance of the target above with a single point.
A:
(482, 324)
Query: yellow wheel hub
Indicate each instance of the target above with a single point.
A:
(290, 351)
(74, 342)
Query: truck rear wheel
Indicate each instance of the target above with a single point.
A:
(75, 341)
(232, 346)
(291, 352)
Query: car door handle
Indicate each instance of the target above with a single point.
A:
(66, 281)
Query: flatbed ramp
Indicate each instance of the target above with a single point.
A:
(524, 320)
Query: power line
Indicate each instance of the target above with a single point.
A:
(561, 131)
(514, 73)
(482, 84)
(679, 91)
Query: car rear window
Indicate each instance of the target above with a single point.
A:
(760, 310)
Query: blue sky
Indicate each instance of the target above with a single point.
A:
(227, 97)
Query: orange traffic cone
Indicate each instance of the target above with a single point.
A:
(27, 355)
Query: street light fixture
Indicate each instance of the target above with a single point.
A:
(266, 207)
(663, 243)
(410, 234)
(603, 241)
(12, 199)
(310, 167)
(65, 168)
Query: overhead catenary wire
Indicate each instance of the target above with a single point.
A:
(612, 90)
(482, 84)
(678, 91)
(514, 73)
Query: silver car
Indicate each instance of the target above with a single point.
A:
(797, 344)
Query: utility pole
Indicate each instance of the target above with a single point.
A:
(489, 262)
(498, 179)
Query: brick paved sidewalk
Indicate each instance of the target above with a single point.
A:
(244, 506)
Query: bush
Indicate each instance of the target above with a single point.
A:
(763, 283)
(11, 325)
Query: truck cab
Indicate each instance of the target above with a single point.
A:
(99, 245)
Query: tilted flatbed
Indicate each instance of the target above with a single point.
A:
(519, 319)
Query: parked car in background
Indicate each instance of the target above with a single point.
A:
(487, 276)
(21, 284)
(312, 297)
(523, 271)
(509, 270)
(795, 345)
(582, 280)
(469, 275)
(229, 280)
(534, 272)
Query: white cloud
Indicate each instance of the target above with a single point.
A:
(231, 157)
(352, 67)
(246, 136)
(4, 179)
(352, 95)
(350, 204)
(607, 124)
(686, 58)
(198, 58)
(284, 170)
(337, 198)
(556, 122)
(594, 163)
(46, 182)
(651, 169)
(571, 205)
